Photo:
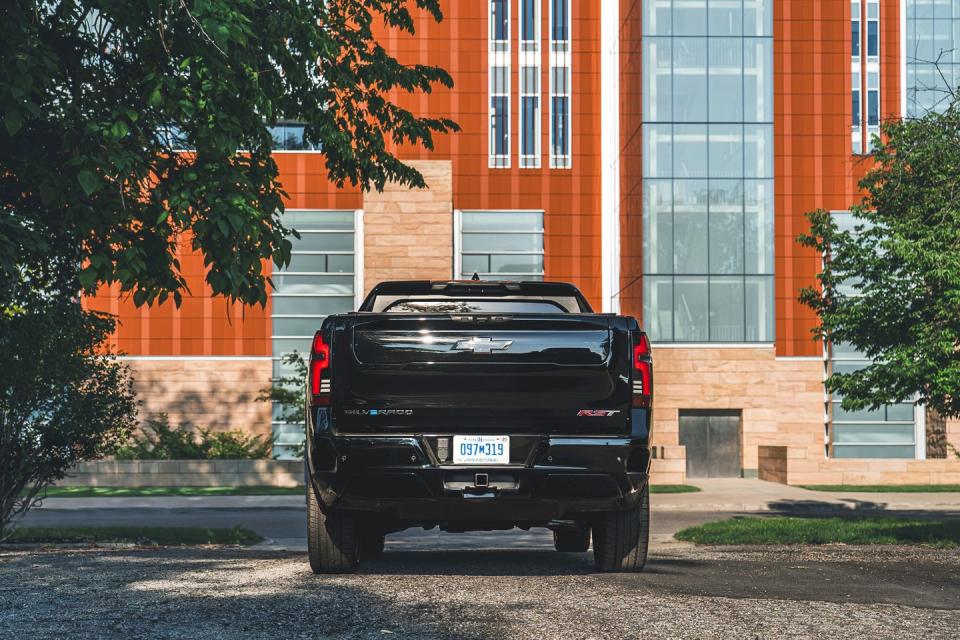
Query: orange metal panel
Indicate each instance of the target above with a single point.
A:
(814, 165)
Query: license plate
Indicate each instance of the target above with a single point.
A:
(481, 449)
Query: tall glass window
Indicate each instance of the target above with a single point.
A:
(560, 85)
(500, 245)
(530, 83)
(932, 54)
(856, 76)
(887, 432)
(855, 29)
(318, 282)
(708, 170)
(873, 71)
(498, 71)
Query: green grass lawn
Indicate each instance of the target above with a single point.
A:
(673, 488)
(886, 488)
(146, 492)
(785, 530)
(171, 536)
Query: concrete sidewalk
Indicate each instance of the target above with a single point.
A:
(739, 494)
(726, 495)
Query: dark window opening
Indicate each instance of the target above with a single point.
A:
(873, 39)
(873, 108)
(501, 19)
(561, 27)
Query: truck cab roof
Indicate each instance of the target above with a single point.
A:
(420, 289)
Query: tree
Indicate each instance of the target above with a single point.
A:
(891, 286)
(97, 99)
(93, 91)
(62, 399)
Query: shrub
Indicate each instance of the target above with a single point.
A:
(63, 399)
(158, 440)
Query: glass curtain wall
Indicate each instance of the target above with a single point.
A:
(708, 170)
(933, 57)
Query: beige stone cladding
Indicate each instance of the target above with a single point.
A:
(186, 473)
(668, 465)
(408, 233)
(781, 399)
(215, 393)
(800, 466)
(953, 437)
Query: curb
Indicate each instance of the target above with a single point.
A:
(787, 509)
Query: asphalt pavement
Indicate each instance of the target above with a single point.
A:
(535, 593)
(497, 585)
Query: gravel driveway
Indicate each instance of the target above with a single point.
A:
(204, 593)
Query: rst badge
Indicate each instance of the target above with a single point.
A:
(597, 413)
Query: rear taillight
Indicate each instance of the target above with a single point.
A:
(642, 370)
(320, 371)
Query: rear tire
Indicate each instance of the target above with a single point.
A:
(572, 540)
(621, 538)
(333, 543)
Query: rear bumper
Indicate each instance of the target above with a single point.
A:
(398, 477)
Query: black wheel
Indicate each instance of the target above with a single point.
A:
(621, 538)
(333, 542)
(371, 543)
(572, 540)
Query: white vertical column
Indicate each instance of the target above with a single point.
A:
(903, 60)
(856, 77)
(610, 154)
(358, 260)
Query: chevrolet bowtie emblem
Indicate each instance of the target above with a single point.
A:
(482, 345)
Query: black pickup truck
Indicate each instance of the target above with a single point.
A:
(478, 405)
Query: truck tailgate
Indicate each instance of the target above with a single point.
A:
(518, 374)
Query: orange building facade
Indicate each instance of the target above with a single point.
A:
(578, 160)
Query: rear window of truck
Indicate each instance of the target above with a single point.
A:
(483, 305)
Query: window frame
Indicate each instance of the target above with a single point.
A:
(561, 60)
(278, 427)
(830, 358)
(499, 56)
(530, 63)
(708, 176)
(857, 74)
(458, 252)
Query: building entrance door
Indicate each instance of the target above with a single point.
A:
(712, 439)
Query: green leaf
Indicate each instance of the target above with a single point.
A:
(88, 278)
(13, 121)
(49, 192)
(89, 181)
(156, 97)
(119, 129)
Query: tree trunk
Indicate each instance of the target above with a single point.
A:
(936, 435)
